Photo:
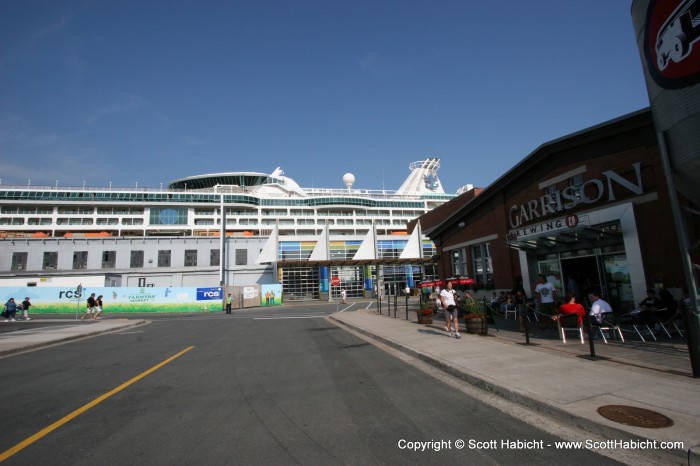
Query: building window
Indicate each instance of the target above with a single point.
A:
(109, 259)
(50, 261)
(190, 258)
(241, 257)
(458, 266)
(214, 258)
(19, 261)
(164, 258)
(136, 261)
(483, 266)
(80, 260)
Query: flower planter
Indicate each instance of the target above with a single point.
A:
(476, 325)
(425, 318)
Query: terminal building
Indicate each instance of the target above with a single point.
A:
(230, 229)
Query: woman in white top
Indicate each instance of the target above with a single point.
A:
(448, 299)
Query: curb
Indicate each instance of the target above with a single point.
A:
(692, 455)
(37, 345)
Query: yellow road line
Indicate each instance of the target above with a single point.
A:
(47, 430)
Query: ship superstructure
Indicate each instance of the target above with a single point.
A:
(275, 232)
(255, 203)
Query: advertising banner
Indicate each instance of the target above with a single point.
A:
(117, 299)
(271, 295)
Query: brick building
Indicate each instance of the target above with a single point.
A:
(592, 206)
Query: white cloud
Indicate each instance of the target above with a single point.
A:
(132, 104)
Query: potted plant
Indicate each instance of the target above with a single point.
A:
(425, 316)
(474, 317)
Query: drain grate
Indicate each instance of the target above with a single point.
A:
(636, 417)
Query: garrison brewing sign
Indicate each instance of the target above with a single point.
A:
(117, 299)
(668, 37)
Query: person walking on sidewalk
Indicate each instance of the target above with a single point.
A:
(98, 307)
(25, 308)
(90, 307)
(343, 295)
(448, 298)
(10, 310)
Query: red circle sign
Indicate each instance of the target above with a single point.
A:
(335, 281)
(571, 220)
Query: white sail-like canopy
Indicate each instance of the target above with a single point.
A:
(368, 248)
(320, 252)
(269, 250)
(413, 249)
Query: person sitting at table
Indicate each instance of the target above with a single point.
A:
(648, 306)
(598, 307)
(571, 307)
(667, 307)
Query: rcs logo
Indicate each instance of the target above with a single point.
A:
(207, 294)
(70, 294)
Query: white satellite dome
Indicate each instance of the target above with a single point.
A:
(348, 179)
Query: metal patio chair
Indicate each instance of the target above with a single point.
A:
(569, 323)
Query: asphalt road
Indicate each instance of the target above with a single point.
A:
(280, 386)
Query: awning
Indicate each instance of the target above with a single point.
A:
(453, 280)
(432, 283)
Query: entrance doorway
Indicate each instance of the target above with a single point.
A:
(586, 272)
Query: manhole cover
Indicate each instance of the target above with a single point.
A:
(633, 416)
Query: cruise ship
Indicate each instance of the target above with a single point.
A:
(120, 234)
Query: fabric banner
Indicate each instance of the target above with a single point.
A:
(271, 295)
(117, 299)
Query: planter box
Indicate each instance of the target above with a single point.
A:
(476, 325)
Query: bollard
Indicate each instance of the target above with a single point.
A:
(407, 307)
(590, 335)
(396, 305)
(526, 322)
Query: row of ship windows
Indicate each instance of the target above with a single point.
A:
(70, 221)
(139, 221)
(203, 198)
(286, 222)
(31, 210)
(41, 210)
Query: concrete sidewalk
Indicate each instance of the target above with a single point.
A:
(38, 333)
(551, 378)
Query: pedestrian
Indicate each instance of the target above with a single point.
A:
(25, 308)
(90, 307)
(448, 299)
(229, 301)
(343, 295)
(520, 299)
(98, 307)
(10, 310)
(544, 292)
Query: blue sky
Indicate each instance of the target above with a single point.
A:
(150, 91)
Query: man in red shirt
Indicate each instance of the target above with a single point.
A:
(571, 307)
